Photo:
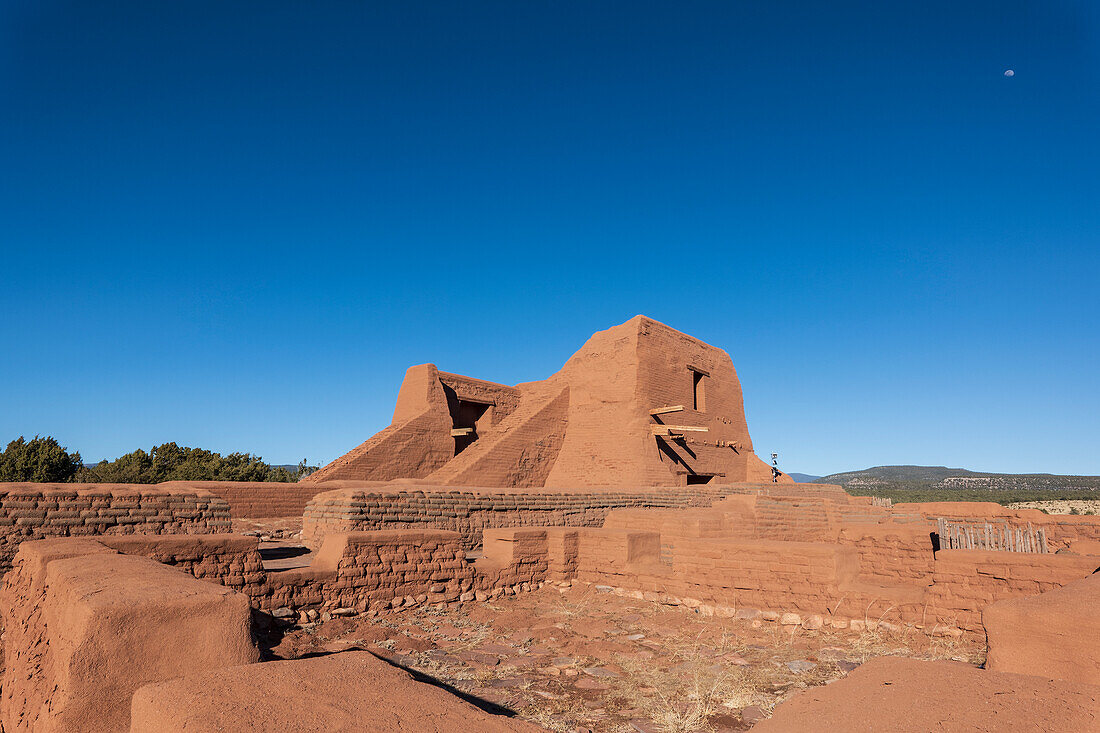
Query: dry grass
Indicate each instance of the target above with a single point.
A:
(573, 603)
(682, 696)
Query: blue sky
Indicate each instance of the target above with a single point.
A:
(234, 225)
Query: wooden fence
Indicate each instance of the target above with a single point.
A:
(986, 536)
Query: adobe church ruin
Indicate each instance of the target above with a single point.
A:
(640, 404)
(630, 472)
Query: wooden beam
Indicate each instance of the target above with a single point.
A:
(666, 410)
(458, 432)
(669, 429)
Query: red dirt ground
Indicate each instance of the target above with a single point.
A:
(581, 660)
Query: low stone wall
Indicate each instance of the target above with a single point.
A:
(890, 547)
(773, 579)
(352, 573)
(257, 499)
(731, 574)
(31, 511)
(230, 560)
(374, 571)
(891, 553)
(470, 511)
(966, 581)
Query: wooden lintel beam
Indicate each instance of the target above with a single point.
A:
(666, 410)
(458, 432)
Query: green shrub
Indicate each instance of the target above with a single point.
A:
(38, 459)
(170, 462)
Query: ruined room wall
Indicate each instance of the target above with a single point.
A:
(966, 581)
(1042, 635)
(86, 626)
(392, 570)
(761, 574)
(230, 560)
(255, 499)
(379, 570)
(826, 579)
(31, 511)
(469, 511)
(889, 553)
(374, 570)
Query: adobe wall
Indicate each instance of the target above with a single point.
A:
(844, 584)
(394, 700)
(890, 553)
(1053, 635)
(590, 424)
(357, 572)
(230, 560)
(31, 511)
(469, 511)
(966, 581)
(901, 695)
(85, 626)
(256, 499)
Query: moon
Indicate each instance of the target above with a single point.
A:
(1010, 72)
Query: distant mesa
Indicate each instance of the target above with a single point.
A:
(640, 404)
(942, 477)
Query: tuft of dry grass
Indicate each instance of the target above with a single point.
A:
(682, 697)
(574, 602)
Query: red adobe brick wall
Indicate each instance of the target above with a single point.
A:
(30, 511)
(470, 511)
(949, 590)
(256, 499)
(966, 581)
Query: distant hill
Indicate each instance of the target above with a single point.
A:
(940, 483)
(803, 478)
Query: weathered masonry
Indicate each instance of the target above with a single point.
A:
(640, 404)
